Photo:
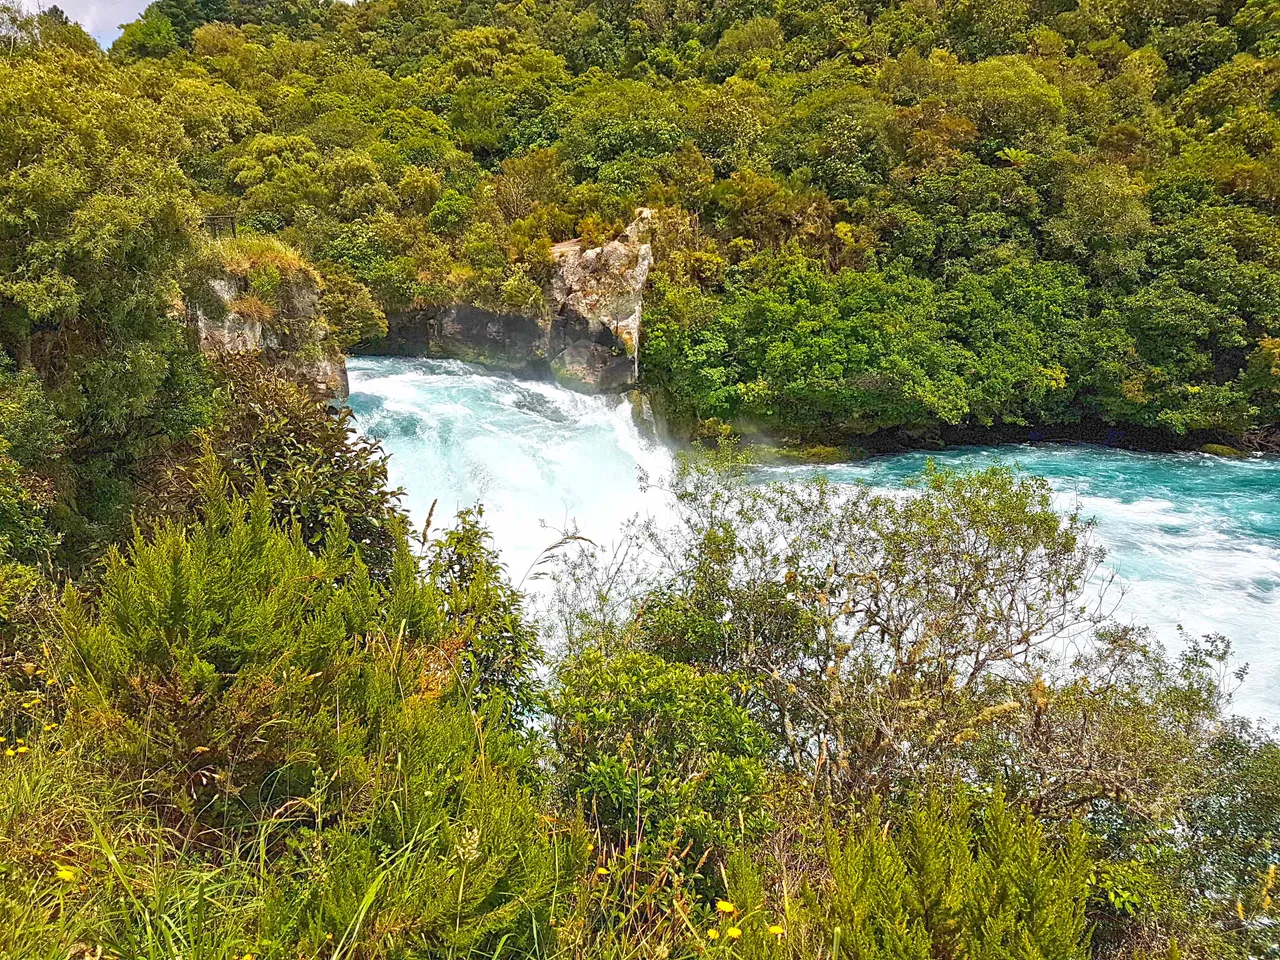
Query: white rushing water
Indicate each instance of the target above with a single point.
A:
(539, 458)
(1194, 540)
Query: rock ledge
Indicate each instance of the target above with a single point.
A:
(589, 339)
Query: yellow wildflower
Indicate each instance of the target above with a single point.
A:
(602, 871)
(776, 930)
(24, 749)
(713, 934)
(9, 752)
(67, 874)
(50, 726)
(733, 933)
(724, 906)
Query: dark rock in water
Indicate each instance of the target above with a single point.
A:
(586, 340)
(541, 406)
(462, 332)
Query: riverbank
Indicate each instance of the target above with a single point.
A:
(946, 437)
(832, 445)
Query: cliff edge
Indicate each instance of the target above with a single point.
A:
(588, 339)
(261, 297)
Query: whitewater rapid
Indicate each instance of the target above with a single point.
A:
(1194, 540)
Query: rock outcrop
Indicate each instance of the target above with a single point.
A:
(289, 333)
(588, 339)
(605, 285)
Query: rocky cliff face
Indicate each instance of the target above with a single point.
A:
(588, 340)
(286, 336)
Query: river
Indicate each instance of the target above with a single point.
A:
(1194, 540)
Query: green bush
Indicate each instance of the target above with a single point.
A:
(311, 461)
(658, 754)
(234, 665)
(23, 533)
(947, 879)
(454, 854)
(351, 312)
(29, 424)
(486, 612)
(439, 848)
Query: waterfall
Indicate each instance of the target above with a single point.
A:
(540, 458)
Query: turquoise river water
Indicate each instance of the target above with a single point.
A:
(1193, 540)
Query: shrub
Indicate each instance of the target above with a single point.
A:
(658, 754)
(23, 534)
(312, 462)
(29, 424)
(485, 610)
(235, 666)
(953, 880)
(438, 849)
(859, 624)
(455, 854)
(449, 213)
(350, 311)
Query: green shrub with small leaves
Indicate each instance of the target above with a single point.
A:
(658, 754)
(312, 462)
(953, 879)
(235, 665)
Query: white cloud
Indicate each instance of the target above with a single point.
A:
(101, 18)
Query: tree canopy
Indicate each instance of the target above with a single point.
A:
(869, 216)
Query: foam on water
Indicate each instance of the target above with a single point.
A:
(1194, 540)
(537, 457)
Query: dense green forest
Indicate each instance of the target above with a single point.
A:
(248, 713)
(870, 216)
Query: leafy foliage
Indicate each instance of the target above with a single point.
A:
(658, 754)
(95, 217)
(313, 467)
(889, 646)
(814, 725)
(243, 640)
(895, 218)
(268, 658)
(939, 886)
(873, 637)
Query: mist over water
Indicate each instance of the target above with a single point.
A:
(1193, 540)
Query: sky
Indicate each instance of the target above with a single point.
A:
(101, 18)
